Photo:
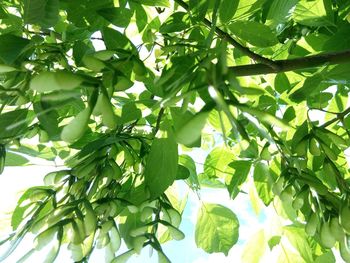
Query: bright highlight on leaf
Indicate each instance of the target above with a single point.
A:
(216, 228)
(76, 128)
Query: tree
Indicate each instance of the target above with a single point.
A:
(123, 90)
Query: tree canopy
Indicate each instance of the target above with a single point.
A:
(122, 91)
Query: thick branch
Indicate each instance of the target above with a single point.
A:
(225, 36)
(293, 64)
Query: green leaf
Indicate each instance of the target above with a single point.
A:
(163, 3)
(254, 33)
(327, 257)
(239, 176)
(76, 128)
(216, 228)
(255, 248)
(52, 254)
(282, 83)
(13, 123)
(18, 214)
(45, 237)
(117, 16)
(289, 114)
(129, 113)
(227, 10)
(217, 163)
(161, 166)
(162, 258)
(114, 40)
(140, 15)
(123, 258)
(5, 69)
(175, 23)
(210, 182)
(274, 241)
(41, 12)
(313, 13)
(182, 173)
(59, 80)
(191, 130)
(48, 119)
(247, 7)
(311, 85)
(11, 47)
(298, 239)
(263, 182)
(280, 11)
(13, 159)
(198, 8)
(188, 162)
(266, 117)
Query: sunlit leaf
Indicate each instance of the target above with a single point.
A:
(216, 228)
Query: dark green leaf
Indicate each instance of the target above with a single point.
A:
(182, 173)
(311, 85)
(282, 83)
(11, 47)
(129, 113)
(161, 166)
(118, 16)
(227, 10)
(141, 17)
(198, 8)
(48, 118)
(13, 123)
(41, 12)
(175, 23)
(115, 40)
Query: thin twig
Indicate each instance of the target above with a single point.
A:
(159, 119)
(225, 36)
(338, 118)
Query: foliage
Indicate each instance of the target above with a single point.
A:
(122, 90)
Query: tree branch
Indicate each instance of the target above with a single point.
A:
(225, 36)
(293, 64)
(339, 117)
